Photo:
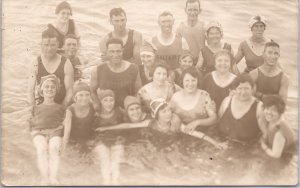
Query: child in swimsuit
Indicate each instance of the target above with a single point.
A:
(47, 129)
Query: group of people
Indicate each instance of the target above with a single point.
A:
(179, 83)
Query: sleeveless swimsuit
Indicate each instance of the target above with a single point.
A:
(268, 85)
(252, 60)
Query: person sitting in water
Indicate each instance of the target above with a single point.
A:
(63, 24)
(47, 129)
(131, 39)
(169, 45)
(193, 28)
(109, 145)
(252, 49)
(269, 77)
(49, 62)
(238, 114)
(277, 134)
(79, 116)
(147, 53)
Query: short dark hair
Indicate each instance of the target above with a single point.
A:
(50, 33)
(271, 43)
(274, 100)
(116, 12)
(71, 36)
(159, 63)
(192, 1)
(192, 71)
(165, 13)
(114, 41)
(243, 78)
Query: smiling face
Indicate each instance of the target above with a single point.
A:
(63, 16)
(114, 53)
(160, 75)
(214, 35)
(271, 55)
(271, 114)
(186, 62)
(134, 113)
(82, 98)
(222, 63)
(189, 83)
(119, 22)
(71, 47)
(108, 103)
(49, 47)
(49, 89)
(166, 24)
(192, 10)
(258, 29)
(244, 91)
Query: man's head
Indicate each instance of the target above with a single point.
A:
(49, 43)
(271, 53)
(71, 45)
(166, 22)
(114, 51)
(192, 8)
(118, 19)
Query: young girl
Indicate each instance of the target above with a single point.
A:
(277, 135)
(47, 129)
(79, 116)
(109, 145)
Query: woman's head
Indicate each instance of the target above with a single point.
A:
(49, 86)
(223, 61)
(214, 32)
(186, 60)
(244, 86)
(160, 73)
(107, 99)
(274, 107)
(147, 53)
(133, 109)
(161, 110)
(190, 80)
(81, 93)
(257, 24)
(63, 11)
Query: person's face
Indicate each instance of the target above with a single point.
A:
(147, 59)
(189, 83)
(193, 10)
(166, 23)
(49, 47)
(108, 103)
(165, 114)
(271, 55)
(64, 15)
(271, 113)
(49, 89)
(214, 35)
(244, 91)
(222, 63)
(119, 22)
(186, 62)
(134, 112)
(160, 75)
(70, 47)
(114, 53)
(258, 29)
(82, 98)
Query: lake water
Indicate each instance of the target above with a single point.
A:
(24, 20)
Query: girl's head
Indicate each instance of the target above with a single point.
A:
(133, 108)
(257, 25)
(244, 86)
(186, 60)
(190, 80)
(107, 99)
(63, 11)
(274, 107)
(81, 93)
(214, 32)
(49, 86)
(161, 110)
(160, 73)
(223, 61)
(147, 53)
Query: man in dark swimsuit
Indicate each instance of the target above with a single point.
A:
(269, 77)
(132, 39)
(51, 63)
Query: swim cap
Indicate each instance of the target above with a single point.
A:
(80, 86)
(105, 93)
(63, 5)
(130, 100)
(50, 77)
(214, 24)
(148, 47)
(156, 104)
(256, 19)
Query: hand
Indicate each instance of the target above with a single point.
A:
(222, 145)
(189, 128)
(263, 144)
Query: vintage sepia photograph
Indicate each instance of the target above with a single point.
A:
(149, 93)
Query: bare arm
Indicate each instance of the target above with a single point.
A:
(138, 82)
(141, 124)
(239, 55)
(254, 75)
(137, 39)
(283, 92)
(277, 148)
(69, 81)
(32, 83)
(200, 61)
(94, 87)
(67, 127)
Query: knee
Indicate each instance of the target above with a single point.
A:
(54, 148)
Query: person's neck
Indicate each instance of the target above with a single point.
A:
(256, 39)
(158, 85)
(120, 33)
(250, 100)
(215, 45)
(107, 113)
(166, 36)
(192, 21)
(190, 94)
(268, 68)
(82, 107)
(47, 58)
(60, 24)
(116, 66)
(71, 57)
(48, 101)
(222, 74)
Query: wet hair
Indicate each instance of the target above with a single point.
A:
(114, 41)
(224, 52)
(192, 1)
(271, 44)
(274, 100)
(243, 78)
(116, 12)
(50, 33)
(162, 64)
(192, 71)
(165, 13)
(71, 36)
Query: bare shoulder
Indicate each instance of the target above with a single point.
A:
(285, 78)
(254, 74)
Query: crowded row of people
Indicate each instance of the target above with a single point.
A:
(175, 84)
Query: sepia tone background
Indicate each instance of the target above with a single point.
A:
(24, 20)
